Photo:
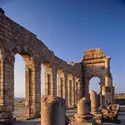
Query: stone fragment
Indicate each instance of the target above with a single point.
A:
(52, 111)
(83, 116)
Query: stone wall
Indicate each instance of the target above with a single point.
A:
(15, 39)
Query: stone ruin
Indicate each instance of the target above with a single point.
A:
(73, 78)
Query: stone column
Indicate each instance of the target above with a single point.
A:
(94, 105)
(36, 91)
(113, 94)
(66, 88)
(52, 111)
(83, 116)
(69, 92)
(63, 87)
(33, 88)
(100, 95)
(76, 92)
(60, 86)
(85, 88)
(103, 96)
(28, 87)
(73, 92)
(47, 82)
(54, 81)
(98, 100)
(107, 79)
(7, 90)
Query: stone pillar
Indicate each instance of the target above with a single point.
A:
(33, 89)
(113, 94)
(61, 86)
(94, 105)
(66, 88)
(77, 91)
(69, 93)
(87, 90)
(83, 116)
(7, 90)
(36, 91)
(100, 95)
(28, 87)
(54, 81)
(48, 79)
(73, 93)
(47, 83)
(107, 80)
(107, 94)
(52, 111)
(98, 100)
(103, 96)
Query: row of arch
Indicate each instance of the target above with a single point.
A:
(57, 82)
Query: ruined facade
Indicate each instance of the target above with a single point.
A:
(97, 64)
(15, 39)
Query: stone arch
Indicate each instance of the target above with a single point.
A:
(48, 77)
(96, 64)
(31, 81)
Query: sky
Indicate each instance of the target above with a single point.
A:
(68, 27)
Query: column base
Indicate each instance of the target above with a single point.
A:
(83, 120)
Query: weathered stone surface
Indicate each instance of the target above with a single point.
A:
(97, 64)
(110, 113)
(94, 107)
(94, 103)
(52, 111)
(83, 116)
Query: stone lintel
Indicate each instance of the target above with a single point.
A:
(94, 61)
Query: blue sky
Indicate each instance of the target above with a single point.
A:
(68, 27)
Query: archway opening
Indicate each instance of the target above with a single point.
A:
(95, 87)
(94, 84)
(48, 77)
(19, 86)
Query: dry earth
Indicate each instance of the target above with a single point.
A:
(19, 113)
